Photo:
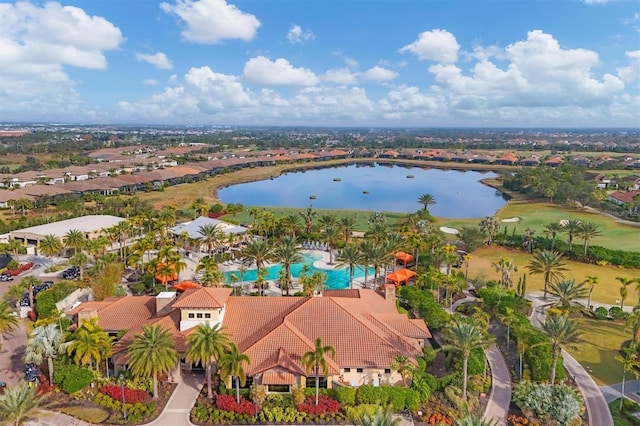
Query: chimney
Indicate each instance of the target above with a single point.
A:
(390, 293)
(163, 299)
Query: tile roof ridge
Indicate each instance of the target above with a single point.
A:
(399, 338)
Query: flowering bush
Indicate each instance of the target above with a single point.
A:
(439, 419)
(131, 396)
(325, 405)
(228, 403)
(517, 420)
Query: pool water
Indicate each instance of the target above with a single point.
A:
(336, 278)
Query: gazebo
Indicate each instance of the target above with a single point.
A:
(401, 276)
(403, 258)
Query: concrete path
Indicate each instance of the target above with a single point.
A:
(177, 410)
(500, 396)
(631, 389)
(597, 409)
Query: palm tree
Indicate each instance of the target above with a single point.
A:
(561, 332)
(79, 260)
(504, 266)
(633, 322)
(75, 239)
(308, 216)
(287, 252)
(629, 362)
(29, 282)
(327, 220)
(211, 236)
(346, 226)
(16, 247)
(331, 235)
(528, 240)
(508, 319)
(152, 353)
(45, 343)
(291, 224)
(90, 344)
(552, 230)
(377, 232)
(572, 228)
(380, 417)
(463, 336)
(231, 365)
(366, 248)
(402, 364)
(349, 257)
(50, 245)
(549, 264)
(592, 281)
(588, 231)
(8, 321)
(315, 360)
(18, 403)
(257, 251)
(567, 293)
(426, 200)
(207, 344)
(624, 291)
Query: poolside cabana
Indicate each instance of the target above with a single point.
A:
(401, 276)
(403, 258)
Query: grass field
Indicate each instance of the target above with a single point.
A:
(606, 292)
(601, 341)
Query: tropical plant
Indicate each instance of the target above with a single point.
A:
(91, 344)
(572, 228)
(75, 239)
(563, 333)
(463, 336)
(287, 252)
(551, 230)
(19, 402)
(349, 257)
(79, 260)
(331, 236)
(504, 266)
(629, 361)
(528, 240)
(315, 360)
(346, 225)
(490, 227)
(45, 342)
(588, 231)
(380, 417)
(633, 322)
(426, 200)
(549, 264)
(152, 353)
(624, 290)
(50, 246)
(308, 215)
(206, 345)
(8, 321)
(592, 281)
(212, 235)
(230, 364)
(29, 282)
(402, 364)
(257, 251)
(470, 420)
(566, 293)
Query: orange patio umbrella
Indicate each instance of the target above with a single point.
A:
(185, 285)
(403, 257)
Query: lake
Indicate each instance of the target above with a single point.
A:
(373, 187)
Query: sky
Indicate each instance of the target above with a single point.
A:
(342, 63)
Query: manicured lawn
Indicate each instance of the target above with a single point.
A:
(601, 342)
(95, 415)
(624, 418)
(606, 292)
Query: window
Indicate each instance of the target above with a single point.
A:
(359, 370)
(198, 315)
(207, 315)
(311, 382)
(278, 388)
(191, 316)
(387, 371)
(347, 370)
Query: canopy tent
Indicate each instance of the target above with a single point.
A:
(404, 258)
(185, 285)
(401, 276)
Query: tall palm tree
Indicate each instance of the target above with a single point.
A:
(366, 248)
(426, 200)
(549, 264)
(231, 365)
(567, 292)
(46, 342)
(76, 240)
(504, 266)
(588, 231)
(287, 252)
(308, 215)
(327, 220)
(561, 332)
(257, 251)
(50, 246)
(349, 257)
(592, 281)
(346, 226)
(291, 224)
(19, 402)
(551, 230)
(206, 345)
(8, 321)
(331, 236)
(315, 360)
(633, 322)
(380, 256)
(152, 353)
(572, 228)
(377, 232)
(624, 290)
(463, 336)
(629, 361)
(212, 235)
(490, 227)
(79, 260)
(90, 345)
(402, 364)
(16, 247)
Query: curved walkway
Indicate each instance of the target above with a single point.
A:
(597, 409)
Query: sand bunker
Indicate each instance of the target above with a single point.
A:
(448, 230)
(565, 222)
(511, 220)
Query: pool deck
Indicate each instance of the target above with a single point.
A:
(322, 263)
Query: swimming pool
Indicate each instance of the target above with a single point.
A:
(336, 278)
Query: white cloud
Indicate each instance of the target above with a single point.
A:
(261, 70)
(631, 73)
(211, 21)
(596, 1)
(437, 45)
(349, 61)
(159, 60)
(150, 82)
(36, 43)
(297, 36)
(341, 76)
(380, 74)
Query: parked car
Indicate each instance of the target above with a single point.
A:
(71, 273)
(6, 277)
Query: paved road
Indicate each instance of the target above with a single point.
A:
(500, 397)
(597, 408)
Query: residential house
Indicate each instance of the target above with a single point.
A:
(531, 161)
(622, 197)
(554, 161)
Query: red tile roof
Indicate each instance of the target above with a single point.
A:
(206, 297)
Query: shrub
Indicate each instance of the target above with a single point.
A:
(131, 396)
(559, 403)
(46, 304)
(278, 400)
(601, 313)
(325, 405)
(228, 403)
(70, 377)
(62, 289)
(281, 415)
(357, 412)
(346, 395)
